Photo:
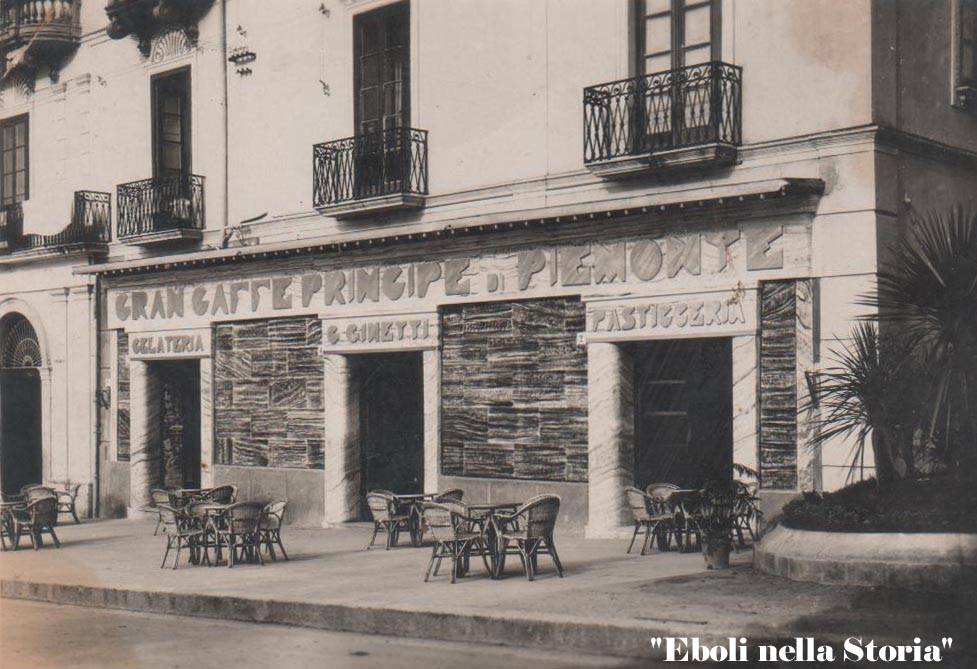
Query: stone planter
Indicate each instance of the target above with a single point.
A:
(917, 561)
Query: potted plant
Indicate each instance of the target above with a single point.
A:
(717, 521)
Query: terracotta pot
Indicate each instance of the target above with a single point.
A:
(717, 554)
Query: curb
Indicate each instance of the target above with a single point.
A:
(505, 628)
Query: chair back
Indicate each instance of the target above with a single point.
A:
(36, 492)
(225, 494)
(661, 490)
(453, 495)
(244, 517)
(72, 490)
(381, 505)
(170, 518)
(161, 497)
(638, 501)
(540, 514)
(273, 515)
(43, 511)
(443, 520)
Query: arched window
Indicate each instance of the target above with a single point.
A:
(19, 344)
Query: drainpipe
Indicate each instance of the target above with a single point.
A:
(227, 161)
(96, 406)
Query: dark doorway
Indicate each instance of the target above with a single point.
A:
(20, 428)
(180, 422)
(683, 411)
(391, 421)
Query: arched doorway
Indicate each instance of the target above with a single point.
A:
(20, 404)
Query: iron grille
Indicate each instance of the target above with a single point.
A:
(387, 162)
(90, 224)
(20, 346)
(687, 107)
(160, 204)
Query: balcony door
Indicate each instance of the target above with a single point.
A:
(171, 125)
(13, 168)
(381, 46)
(671, 35)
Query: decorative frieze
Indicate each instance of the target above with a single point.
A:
(268, 393)
(514, 390)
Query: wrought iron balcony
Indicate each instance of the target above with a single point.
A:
(372, 173)
(47, 30)
(88, 230)
(677, 118)
(161, 210)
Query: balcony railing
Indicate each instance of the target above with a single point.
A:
(385, 163)
(162, 205)
(689, 107)
(90, 224)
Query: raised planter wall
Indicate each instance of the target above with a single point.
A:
(917, 561)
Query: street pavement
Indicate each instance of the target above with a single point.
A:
(50, 636)
(609, 602)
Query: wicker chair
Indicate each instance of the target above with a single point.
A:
(159, 497)
(453, 539)
(653, 514)
(225, 494)
(270, 527)
(238, 530)
(747, 512)
(180, 532)
(66, 500)
(453, 495)
(530, 532)
(39, 516)
(387, 517)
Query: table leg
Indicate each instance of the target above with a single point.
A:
(416, 527)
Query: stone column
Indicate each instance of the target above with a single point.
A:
(432, 419)
(610, 428)
(206, 422)
(745, 444)
(144, 424)
(342, 441)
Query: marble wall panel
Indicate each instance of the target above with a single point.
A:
(514, 390)
(269, 393)
(778, 385)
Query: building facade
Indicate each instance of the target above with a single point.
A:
(519, 247)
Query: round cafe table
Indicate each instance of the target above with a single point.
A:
(485, 515)
(415, 518)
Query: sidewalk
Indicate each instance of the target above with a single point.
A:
(609, 602)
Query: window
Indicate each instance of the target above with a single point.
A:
(671, 34)
(171, 124)
(13, 170)
(381, 46)
(965, 52)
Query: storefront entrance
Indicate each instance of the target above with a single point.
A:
(20, 404)
(391, 421)
(683, 432)
(179, 423)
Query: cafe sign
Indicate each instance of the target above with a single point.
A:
(707, 258)
(174, 344)
(725, 313)
(390, 332)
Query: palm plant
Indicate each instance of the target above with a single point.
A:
(867, 397)
(928, 292)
